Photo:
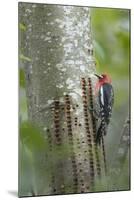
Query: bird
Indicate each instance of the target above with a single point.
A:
(105, 97)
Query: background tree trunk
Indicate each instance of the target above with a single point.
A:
(123, 149)
(56, 52)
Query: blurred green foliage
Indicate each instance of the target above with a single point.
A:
(32, 137)
(110, 29)
(111, 34)
(36, 159)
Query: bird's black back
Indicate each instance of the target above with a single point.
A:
(108, 97)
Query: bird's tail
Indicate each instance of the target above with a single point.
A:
(101, 131)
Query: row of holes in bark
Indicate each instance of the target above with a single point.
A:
(87, 127)
(57, 122)
(90, 94)
(75, 170)
(58, 136)
(70, 137)
(62, 105)
(52, 181)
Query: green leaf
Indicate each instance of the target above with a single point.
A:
(21, 78)
(22, 26)
(23, 57)
(31, 136)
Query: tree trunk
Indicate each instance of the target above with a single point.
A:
(56, 52)
(123, 148)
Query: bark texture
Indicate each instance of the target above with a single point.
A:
(56, 52)
(123, 148)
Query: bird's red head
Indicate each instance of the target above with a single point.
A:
(103, 78)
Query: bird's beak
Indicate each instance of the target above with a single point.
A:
(98, 76)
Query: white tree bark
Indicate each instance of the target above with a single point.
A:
(57, 55)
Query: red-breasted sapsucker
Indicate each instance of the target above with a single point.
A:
(105, 95)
